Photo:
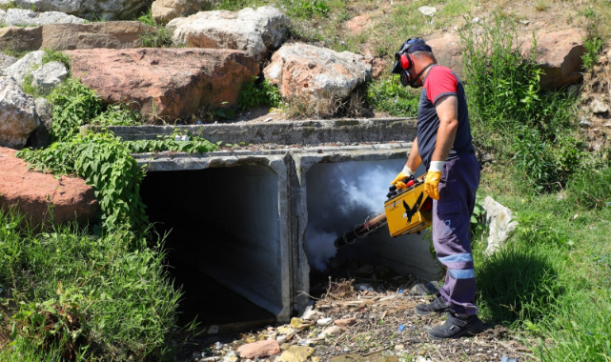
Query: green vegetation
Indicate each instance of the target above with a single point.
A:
(254, 95)
(388, 95)
(8, 5)
(593, 47)
(83, 297)
(51, 55)
(157, 37)
(99, 293)
(552, 280)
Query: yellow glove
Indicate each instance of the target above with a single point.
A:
(431, 182)
(398, 181)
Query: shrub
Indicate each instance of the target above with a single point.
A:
(51, 55)
(593, 47)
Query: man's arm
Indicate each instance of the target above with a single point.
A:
(414, 160)
(447, 111)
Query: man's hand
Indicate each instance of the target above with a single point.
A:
(431, 182)
(398, 181)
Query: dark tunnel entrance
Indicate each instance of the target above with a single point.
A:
(224, 241)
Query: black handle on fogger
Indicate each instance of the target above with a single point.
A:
(392, 191)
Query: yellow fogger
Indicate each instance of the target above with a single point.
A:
(406, 211)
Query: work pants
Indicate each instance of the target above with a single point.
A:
(451, 231)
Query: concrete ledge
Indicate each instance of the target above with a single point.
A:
(283, 133)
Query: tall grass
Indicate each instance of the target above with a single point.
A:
(114, 280)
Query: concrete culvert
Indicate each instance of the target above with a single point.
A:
(341, 195)
(224, 247)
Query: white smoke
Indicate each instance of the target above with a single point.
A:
(340, 196)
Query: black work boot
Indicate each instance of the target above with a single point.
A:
(436, 306)
(457, 326)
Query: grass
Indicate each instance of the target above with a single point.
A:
(157, 37)
(115, 281)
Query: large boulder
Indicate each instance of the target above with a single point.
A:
(165, 83)
(500, 222)
(6, 61)
(25, 66)
(302, 70)
(49, 76)
(89, 9)
(17, 114)
(110, 35)
(254, 31)
(558, 53)
(22, 17)
(165, 10)
(34, 194)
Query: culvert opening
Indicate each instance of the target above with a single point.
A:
(224, 241)
(342, 195)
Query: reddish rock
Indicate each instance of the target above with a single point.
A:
(259, 349)
(378, 66)
(559, 53)
(165, 83)
(33, 193)
(358, 23)
(448, 52)
(345, 322)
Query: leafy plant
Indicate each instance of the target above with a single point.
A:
(51, 55)
(254, 95)
(310, 9)
(156, 35)
(593, 47)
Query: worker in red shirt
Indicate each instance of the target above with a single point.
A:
(443, 145)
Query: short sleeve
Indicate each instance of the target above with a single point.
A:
(440, 82)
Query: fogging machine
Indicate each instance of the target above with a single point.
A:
(405, 212)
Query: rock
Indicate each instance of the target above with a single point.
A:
(319, 74)
(32, 193)
(427, 10)
(330, 332)
(378, 66)
(6, 61)
(559, 53)
(166, 10)
(448, 52)
(49, 76)
(17, 114)
(296, 354)
(324, 321)
(399, 347)
(358, 23)
(24, 66)
(286, 330)
(254, 31)
(500, 222)
(21, 17)
(259, 349)
(89, 9)
(21, 39)
(607, 125)
(281, 338)
(343, 323)
(584, 123)
(230, 357)
(110, 35)
(310, 313)
(599, 107)
(40, 137)
(166, 83)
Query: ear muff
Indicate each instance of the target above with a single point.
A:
(406, 61)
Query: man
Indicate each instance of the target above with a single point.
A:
(443, 145)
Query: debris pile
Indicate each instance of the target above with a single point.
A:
(356, 322)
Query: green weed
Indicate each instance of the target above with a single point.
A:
(593, 47)
(254, 95)
(8, 5)
(157, 35)
(51, 55)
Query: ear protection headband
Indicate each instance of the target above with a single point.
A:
(403, 61)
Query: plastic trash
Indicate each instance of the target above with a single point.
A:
(401, 327)
(400, 291)
(507, 359)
